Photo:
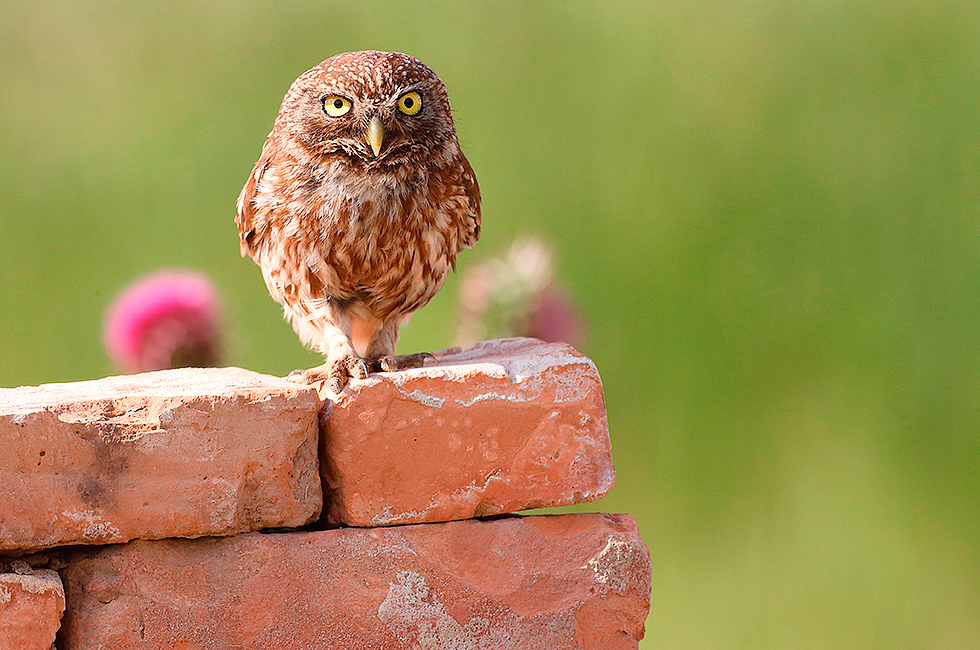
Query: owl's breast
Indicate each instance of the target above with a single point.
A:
(380, 240)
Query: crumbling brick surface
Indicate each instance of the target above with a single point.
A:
(508, 425)
(175, 453)
(559, 582)
(31, 605)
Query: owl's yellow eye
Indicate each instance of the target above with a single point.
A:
(335, 106)
(410, 103)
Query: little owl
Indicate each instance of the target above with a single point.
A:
(358, 206)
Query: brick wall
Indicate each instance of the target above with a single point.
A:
(220, 508)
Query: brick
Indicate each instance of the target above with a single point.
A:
(557, 582)
(175, 453)
(31, 605)
(508, 425)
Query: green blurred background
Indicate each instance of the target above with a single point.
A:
(769, 210)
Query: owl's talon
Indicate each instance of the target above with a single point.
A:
(344, 368)
(358, 368)
(336, 374)
(336, 385)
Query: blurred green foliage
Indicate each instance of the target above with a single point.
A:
(770, 211)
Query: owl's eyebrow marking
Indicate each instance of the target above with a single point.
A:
(401, 92)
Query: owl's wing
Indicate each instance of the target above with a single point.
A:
(470, 231)
(252, 225)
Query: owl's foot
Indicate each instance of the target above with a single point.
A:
(391, 363)
(335, 373)
(338, 373)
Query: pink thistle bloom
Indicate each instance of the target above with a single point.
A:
(169, 319)
(556, 317)
(516, 295)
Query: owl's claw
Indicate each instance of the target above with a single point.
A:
(386, 363)
(336, 384)
(343, 369)
(356, 367)
(336, 374)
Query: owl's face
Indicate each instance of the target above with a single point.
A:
(372, 109)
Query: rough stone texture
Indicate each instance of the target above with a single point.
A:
(564, 582)
(508, 425)
(31, 605)
(175, 453)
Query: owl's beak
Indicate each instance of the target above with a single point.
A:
(375, 134)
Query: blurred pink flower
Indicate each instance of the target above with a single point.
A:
(169, 319)
(517, 295)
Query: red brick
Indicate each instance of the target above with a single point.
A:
(508, 425)
(176, 453)
(31, 605)
(548, 583)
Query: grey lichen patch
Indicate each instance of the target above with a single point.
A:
(493, 397)
(422, 398)
(615, 567)
(418, 619)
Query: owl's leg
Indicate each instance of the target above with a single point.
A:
(380, 351)
(342, 361)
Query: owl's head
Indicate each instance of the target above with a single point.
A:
(375, 108)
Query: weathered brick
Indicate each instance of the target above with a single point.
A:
(508, 425)
(31, 605)
(175, 453)
(559, 582)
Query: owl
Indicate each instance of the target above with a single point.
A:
(357, 208)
